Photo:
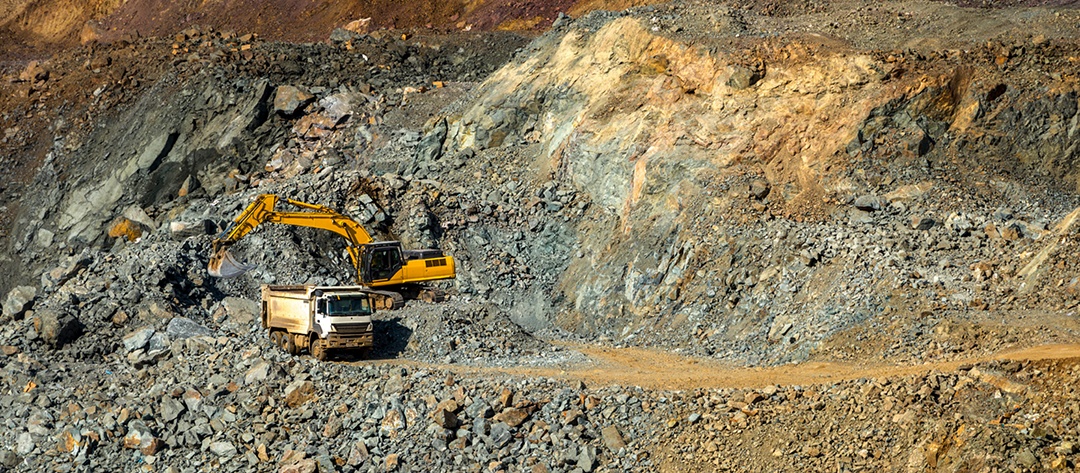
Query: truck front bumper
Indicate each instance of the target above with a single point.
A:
(360, 340)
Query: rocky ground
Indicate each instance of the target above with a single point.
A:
(741, 236)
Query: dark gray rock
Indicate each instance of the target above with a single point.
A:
(922, 222)
(870, 203)
(500, 434)
(430, 148)
(759, 189)
(223, 449)
(183, 327)
(193, 400)
(326, 464)
(9, 459)
(261, 371)
(1033, 231)
(342, 35)
(860, 217)
(959, 224)
(480, 427)
(24, 444)
(612, 438)
(171, 409)
(240, 311)
(138, 339)
(586, 459)
(479, 409)
(159, 341)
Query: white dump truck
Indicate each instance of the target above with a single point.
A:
(318, 318)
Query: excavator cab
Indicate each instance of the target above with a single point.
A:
(380, 262)
(386, 263)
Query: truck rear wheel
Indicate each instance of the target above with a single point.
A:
(290, 344)
(317, 349)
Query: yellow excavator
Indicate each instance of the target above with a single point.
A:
(378, 264)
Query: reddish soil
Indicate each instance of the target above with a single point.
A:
(286, 20)
(37, 28)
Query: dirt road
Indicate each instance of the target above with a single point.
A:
(659, 370)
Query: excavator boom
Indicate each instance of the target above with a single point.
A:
(262, 210)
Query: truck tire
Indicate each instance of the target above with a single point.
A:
(275, 337)
(290, 344)
(318, 349)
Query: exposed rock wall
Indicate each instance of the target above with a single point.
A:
(688, 153)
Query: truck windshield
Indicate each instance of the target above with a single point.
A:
(354, 306)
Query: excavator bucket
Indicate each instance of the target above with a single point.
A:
(224, 265)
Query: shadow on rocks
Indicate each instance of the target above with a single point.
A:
(391, 338)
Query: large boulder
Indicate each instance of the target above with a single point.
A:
(288, 100)
(240, 311)
(57, 328)
(18, 301)
(298, 392)
(183, 327)
(138, 338)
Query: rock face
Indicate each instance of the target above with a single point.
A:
(680, 191)
(622, 162)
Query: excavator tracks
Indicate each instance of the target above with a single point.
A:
(432, 294)
(387, 300)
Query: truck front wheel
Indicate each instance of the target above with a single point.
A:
(318, 349)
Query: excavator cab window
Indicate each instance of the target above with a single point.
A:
(381, 263)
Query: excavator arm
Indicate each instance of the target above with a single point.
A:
(263, 210)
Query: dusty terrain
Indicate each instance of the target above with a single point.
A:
(735, 236)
